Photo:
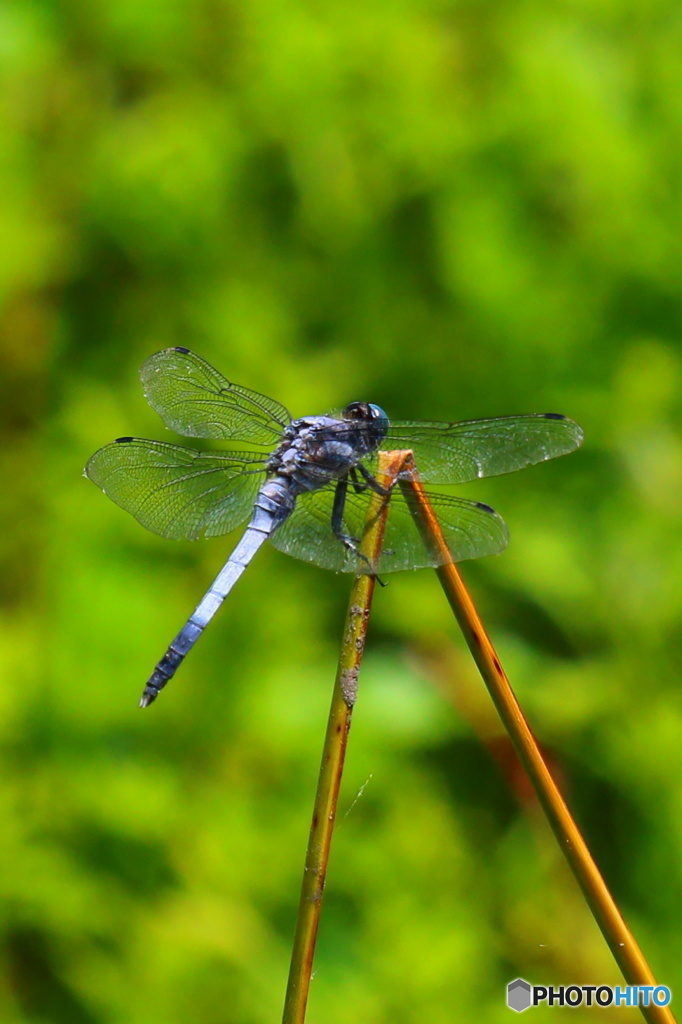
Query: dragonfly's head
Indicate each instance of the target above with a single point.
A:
(373, 418)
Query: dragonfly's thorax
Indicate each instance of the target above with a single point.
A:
(316, 450)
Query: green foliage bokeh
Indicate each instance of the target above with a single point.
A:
(454, 210)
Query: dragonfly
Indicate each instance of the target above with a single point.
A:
(305, 484)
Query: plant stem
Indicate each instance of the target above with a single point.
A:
(625, 950)
(334, 751)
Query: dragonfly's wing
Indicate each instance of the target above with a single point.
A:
(471, 530)
(195, 400)
(452, 453)
(177, 492)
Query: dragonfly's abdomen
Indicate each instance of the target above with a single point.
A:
(274, 504)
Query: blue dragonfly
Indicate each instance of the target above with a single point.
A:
(305, 483)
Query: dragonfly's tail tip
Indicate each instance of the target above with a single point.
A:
(146, 699)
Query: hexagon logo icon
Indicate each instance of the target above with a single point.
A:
(518, 995)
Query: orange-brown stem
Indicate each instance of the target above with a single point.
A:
(625, 950)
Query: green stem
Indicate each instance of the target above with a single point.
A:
(334, 752)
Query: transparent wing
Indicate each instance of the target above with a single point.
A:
(195, 400)
(177, 492)
(471, 529)
(453, 453)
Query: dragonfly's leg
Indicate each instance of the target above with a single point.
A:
(339, 505)
(350, 543)
(358, 486)
(373, 482)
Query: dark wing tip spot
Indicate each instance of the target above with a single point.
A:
(486, 508)
(179, 348)
(124, 440)
(554, 416)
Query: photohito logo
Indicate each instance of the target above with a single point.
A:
(521, 995)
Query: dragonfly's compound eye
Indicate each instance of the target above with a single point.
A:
(374, 418)
(358, 411)
(379, 422)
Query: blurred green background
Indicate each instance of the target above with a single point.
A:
(452, 209)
